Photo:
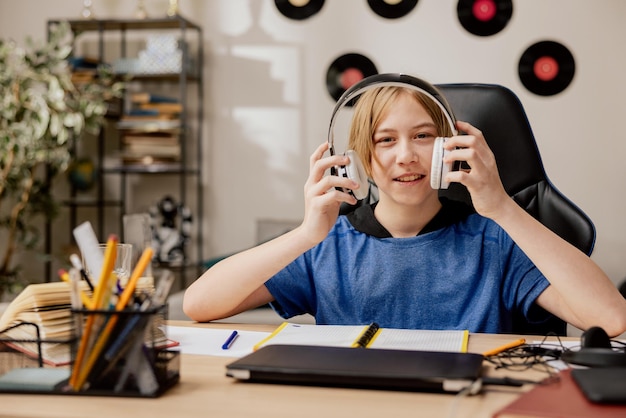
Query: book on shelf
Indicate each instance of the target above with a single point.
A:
(162, 108)
(83, 76)
(133, 113)
(139, 152)
(146, 105)
(156, 163)
(47, 305)
(152, 149)
(84, 63)
(84, 69)
(148, 123)
(367, 336)
(145, 97)
(143, 115)
(152, 138)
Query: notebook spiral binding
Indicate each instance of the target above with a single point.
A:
(366, 337)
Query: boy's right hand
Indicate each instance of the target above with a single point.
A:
(321, 197)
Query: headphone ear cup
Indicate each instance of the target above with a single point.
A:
(595, 337)
(438, 169)
(595, 357)
(356, 171)
(595, 351)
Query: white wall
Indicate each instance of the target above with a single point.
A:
(267, 107)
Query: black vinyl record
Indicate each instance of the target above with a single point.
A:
(484, 17)
(392, 9)
(546, 68)
(347, 70)
(299, 9)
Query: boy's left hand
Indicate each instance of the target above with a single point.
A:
(481, 178)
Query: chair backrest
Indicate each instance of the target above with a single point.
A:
(499, 114)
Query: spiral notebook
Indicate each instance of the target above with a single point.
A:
(422, 371)
(367, 336)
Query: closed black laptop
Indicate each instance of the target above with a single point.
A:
(359, 368)
(602, 384)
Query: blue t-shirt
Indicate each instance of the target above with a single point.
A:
(467, 275)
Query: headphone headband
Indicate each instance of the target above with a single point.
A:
(391, 79)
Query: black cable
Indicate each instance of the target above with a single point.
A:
(508, 381)
(529, 356)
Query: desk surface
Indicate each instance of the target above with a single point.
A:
(205, 391)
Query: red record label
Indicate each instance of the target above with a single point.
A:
(484, 17)
(347, 70)
(546, 68)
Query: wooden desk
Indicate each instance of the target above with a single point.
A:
(205, 391)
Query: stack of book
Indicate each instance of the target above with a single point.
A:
(84, 69)
(45, 307)
(150, 147)
(39, 321)
(151, 130)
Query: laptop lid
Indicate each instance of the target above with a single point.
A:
(359, 367)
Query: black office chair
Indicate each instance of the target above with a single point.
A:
(499, 114)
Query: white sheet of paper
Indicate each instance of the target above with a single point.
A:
(204, 341)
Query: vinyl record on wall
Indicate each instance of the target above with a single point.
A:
(347, 70)
(484, 17)
(546, 68)
(392, 9)
(299, 9)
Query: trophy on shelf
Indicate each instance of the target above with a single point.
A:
(140, 12)
(87, 13)
(172, 10)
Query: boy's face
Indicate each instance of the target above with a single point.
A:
(403, 147)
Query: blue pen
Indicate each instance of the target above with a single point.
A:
(230, 340)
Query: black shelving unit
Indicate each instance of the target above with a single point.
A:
(116, 34)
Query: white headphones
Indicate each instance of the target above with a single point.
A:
(355, 170)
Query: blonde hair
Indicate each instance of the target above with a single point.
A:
(372, 106)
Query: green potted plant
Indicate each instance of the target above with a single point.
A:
(42, 116)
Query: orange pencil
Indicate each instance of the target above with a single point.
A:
(505, 347)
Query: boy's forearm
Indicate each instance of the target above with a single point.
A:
(586, 296)
(224, 289)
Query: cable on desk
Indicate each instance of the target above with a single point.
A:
(471, 389)
(529, 356)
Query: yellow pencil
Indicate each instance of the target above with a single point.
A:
(85, 299)
(505, 347)
(98, 300)
(121, 304)
(110, 254)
